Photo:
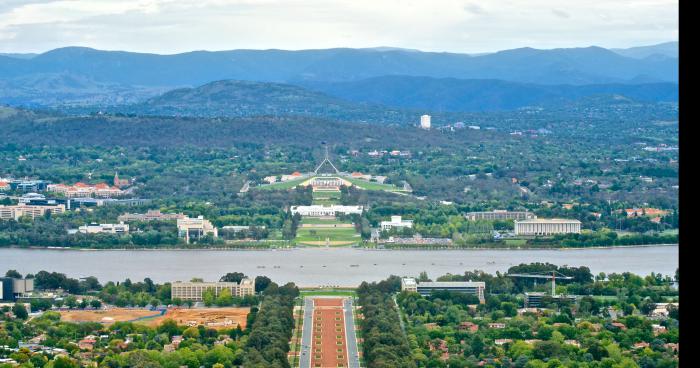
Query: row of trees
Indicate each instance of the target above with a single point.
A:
(271, 330)
(384, 343)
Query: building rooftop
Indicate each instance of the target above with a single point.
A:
(440, 284)
(547, 221)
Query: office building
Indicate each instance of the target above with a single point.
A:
(476, 288)
(534, 227)
(195, 228)
(21, 210)
(194, 290)
(12, 288)
(500, 215)
(151, 215)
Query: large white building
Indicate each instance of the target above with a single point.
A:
(120, 228)
(396, 222)
(425, 121)
(194, 290)
(547, 227)
(325, 211)
(500, 215)
(194, 228)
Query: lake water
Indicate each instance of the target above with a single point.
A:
(323, 266)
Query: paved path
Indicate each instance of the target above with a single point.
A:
(351, 338)
(305, 351)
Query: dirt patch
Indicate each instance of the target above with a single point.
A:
(216, 318)
(108, 316)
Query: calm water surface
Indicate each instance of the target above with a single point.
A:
(321, 266)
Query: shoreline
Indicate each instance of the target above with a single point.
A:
(344, 247)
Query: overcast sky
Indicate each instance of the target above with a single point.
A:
(470, 26)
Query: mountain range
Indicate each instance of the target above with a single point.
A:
(389, 76)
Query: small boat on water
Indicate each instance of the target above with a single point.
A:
(354, 265)
(261, 266)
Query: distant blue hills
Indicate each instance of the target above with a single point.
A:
(387, 76)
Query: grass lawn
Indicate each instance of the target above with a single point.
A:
(283, 185)
(326, 198)
(334, 235)
(327, 292)
(515, 242)
(323, 221)
(369, 185)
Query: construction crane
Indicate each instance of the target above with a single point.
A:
(553, 275)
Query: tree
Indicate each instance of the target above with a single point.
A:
(209, 297)
(20, 311)
(70, 301)
(13, 274)
(261, 283)
(224, 299)
(232, 277)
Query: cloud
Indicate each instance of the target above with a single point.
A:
(169, 26)
(475, 9)
(560, 13)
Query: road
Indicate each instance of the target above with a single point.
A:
(351, 338)
(305, 351)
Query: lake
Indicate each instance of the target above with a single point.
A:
(323, 266)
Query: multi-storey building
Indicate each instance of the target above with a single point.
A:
(194, 290)
(535, 227)
(151, 215)
(21, 210)
(500, 215)
(82, 190)
(476, 288)
(195, 228)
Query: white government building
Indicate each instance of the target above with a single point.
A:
(547, 227)
(325, 211)
(93, 228)
(396, 222)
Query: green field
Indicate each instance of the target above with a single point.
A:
(321, 221)
(515, 242)
(283, 185)
(336, 236)
(326, 198)
(327, 292)
(368, 185)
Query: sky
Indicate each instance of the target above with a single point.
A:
(465, 26)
